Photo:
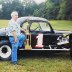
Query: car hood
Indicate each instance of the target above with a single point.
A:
(3, 31)
(63, 31)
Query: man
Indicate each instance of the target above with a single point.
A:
(15, 37)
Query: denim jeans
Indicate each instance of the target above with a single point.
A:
(15, 46)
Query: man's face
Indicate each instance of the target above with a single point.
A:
(15, 17)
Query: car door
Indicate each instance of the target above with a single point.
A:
(42, 35)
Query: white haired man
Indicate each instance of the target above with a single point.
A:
(15, 37)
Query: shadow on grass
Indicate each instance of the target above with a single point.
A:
(43, 54)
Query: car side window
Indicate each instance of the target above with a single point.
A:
(40, 26)
(35, 26)
(45, 26)
(25, 26)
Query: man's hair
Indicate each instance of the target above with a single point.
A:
(14, 13)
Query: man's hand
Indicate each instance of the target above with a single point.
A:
(15, 37)
(23, 30)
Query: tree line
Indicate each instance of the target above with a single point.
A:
(51, 9)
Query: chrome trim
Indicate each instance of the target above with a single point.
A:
(64, 49)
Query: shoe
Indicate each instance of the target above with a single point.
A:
(20, 48)
(15, 62)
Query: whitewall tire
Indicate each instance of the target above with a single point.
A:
(5, 52)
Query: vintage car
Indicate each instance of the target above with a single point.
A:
(40, 36)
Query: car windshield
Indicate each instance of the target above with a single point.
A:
(40, 26)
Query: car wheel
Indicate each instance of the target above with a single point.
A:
(5, 52)
(71, 52)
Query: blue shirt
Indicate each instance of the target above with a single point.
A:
(13, 26)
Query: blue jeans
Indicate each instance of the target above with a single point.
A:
(15, 46)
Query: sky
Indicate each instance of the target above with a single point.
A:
(39, 1)
(0, 7)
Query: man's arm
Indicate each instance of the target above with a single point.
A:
(22, 29)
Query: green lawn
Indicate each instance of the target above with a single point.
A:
(40, 63)
(51, 63)
(3, 23)
(56, 24)
(61, 24)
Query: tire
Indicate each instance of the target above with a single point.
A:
(71, 52)
(70, 41)
(5, 52)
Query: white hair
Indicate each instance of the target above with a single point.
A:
(14, 13)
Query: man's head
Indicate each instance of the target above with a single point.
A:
(14, 15)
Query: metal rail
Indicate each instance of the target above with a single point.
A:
(64, 49)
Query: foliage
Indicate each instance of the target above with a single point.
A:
(51, 9)
(65, 11)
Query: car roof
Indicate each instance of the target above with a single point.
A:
(31, 18)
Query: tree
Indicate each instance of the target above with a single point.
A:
(48, 10)
(51, 9)
(62, 10)
(8, 6)
(29, 7)
(65, 11)
(69, 10)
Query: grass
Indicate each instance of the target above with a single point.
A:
(61, 25)
(3, 23)
(56, 24)
(40, 62)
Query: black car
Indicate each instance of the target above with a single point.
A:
(40, 36)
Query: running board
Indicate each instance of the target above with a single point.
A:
(64, 49)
